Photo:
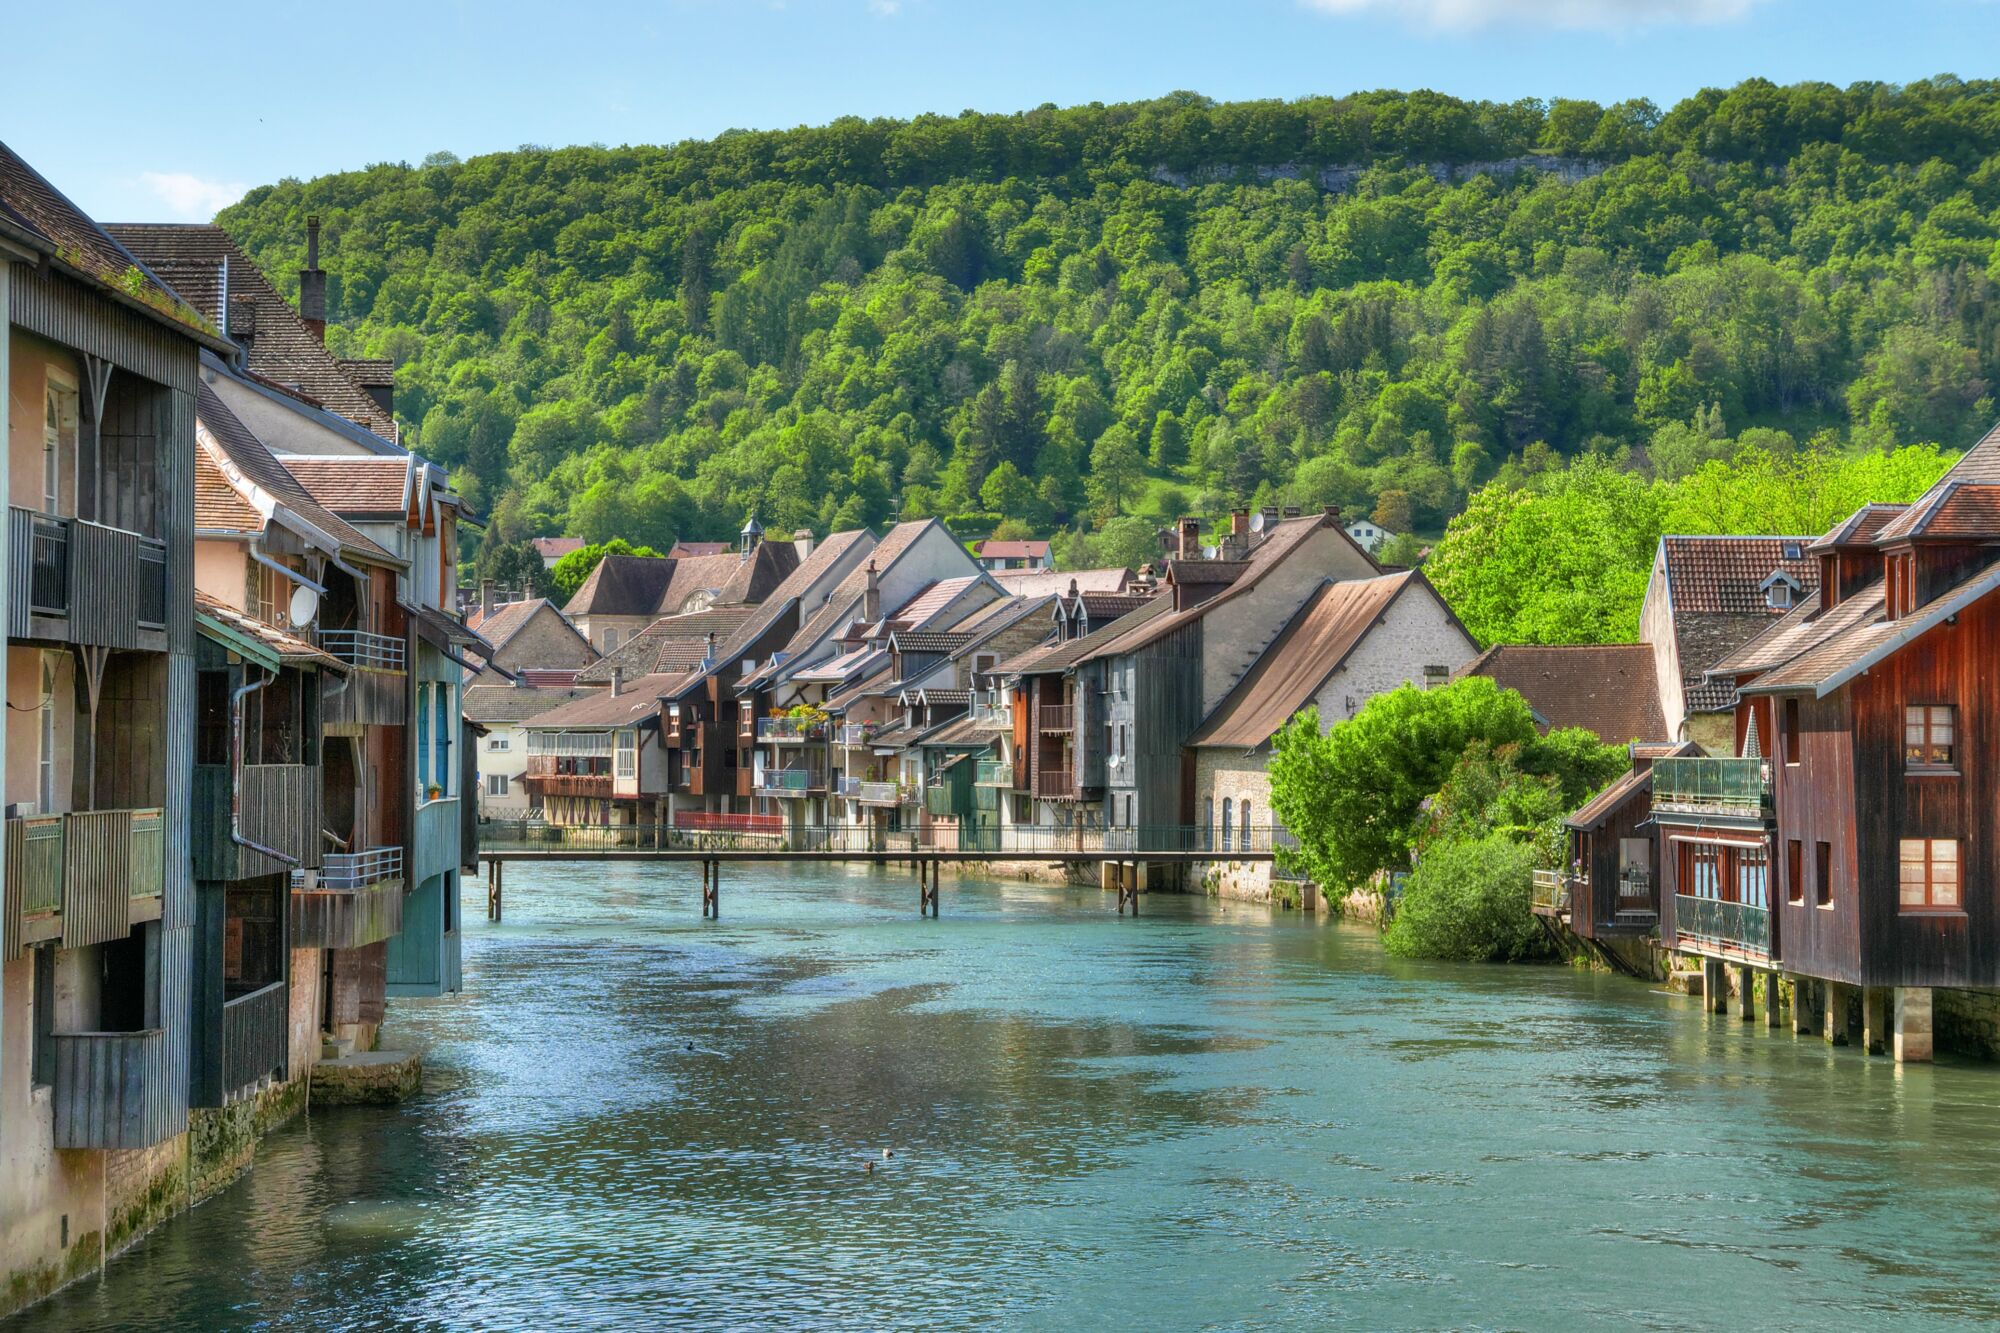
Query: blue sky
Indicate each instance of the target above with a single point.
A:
(181, 107)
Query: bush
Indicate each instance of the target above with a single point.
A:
(1469, 902)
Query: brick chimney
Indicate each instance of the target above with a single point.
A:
(1239, 523)
(1190, 544)
(871, 600)
(802, 542)
(312, 284)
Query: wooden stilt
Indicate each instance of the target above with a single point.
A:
(499, 888)
(1771, 1000)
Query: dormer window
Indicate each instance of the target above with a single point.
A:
(1791, 551)
(1781, 591)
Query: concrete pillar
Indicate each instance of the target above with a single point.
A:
(1874, 1020)
(1746, 995)
(1771, 1002)
(1107, 875)
(1834, 1019)
(1805, 1007)
(1714, 986)
(1913, 1024)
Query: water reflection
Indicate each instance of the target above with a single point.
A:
(1209, 1117)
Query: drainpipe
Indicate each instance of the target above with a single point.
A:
(236, 698)
(292, 574)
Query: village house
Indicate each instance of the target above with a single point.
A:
(1369, 535)
(1051, 582)
(1608, 689)
(626, 593)
(994, 555)
(553, 549)
(498, 711)
(531, 634)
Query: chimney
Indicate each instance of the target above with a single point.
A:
(1270, 518)
(871, 600)
(1239, 523)
(802, 542)
(708, 653)
(485, 598)
(312, 284)
(617, 681)
(1291, 511)
(1332, 512)
(1190, 547)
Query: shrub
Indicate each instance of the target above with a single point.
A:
(1469, 901)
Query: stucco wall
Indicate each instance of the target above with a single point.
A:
(24, 694)
(512, 761)
(1234, 633)
(1656, 626)
(221, 571)
(1233, 776)
(29, 362)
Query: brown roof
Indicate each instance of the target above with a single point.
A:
(1725, 575)
(38, 214)
(670, 644)
(1045, 582)
(289, 648)
(354, 484)
(281, 348)
(637, 701)
(218, 505)
(1636, 781)
(784, 599)
(370, 372)
(1859, 528)
(516, 703)
(1306, 653)
(844, 603)
(1608, 689)
(1950, 511)
(643, 585)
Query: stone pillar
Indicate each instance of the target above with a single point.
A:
(1805, 1006)
(1875, 1020)
(1746, 995)
(1834, 1018)
(1714, 986)
(1771, 1004)
(1913, 1024)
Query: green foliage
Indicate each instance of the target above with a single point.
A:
(570, 572)
(1468, 901)
(516, 566)
(872, 318)
(1564, 555)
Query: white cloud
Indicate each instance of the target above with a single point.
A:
(190, 198)
(1597, 15)
(885, 8)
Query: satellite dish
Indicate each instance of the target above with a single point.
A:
(1257, 521)
(305, 605)
(1208, 552)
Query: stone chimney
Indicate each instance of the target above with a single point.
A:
(1190, 543)
(871, 600)
(485, 598)
(617, 681)
(312, 284)
(1270, 517)
(1239, 523)
(1332, 513)
(802, 542)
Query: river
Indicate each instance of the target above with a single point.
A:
(1210, 1117)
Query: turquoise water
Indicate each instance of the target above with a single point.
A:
(1211, 1117)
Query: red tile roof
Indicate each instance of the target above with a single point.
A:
(1725, 575)
(1011, 550)
(1611, 690)
(352, 484)
(555, 548)
(1952, 511)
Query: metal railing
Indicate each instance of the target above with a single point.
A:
(701, 821)
(48, 577)
(791, 780)
(993, 715)
(1635, 882)
(363, 648)
(1057, 717)
(994, 773)
(856, 733)
(696, 829)
(354, 870)
(884, 793)
(791, 729)
(1723, 926)
(1550, 894)
(1712, 786)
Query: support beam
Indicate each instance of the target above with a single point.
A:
(1714, 986)
(1913, 1024)
(1746, 994)
(1805, 1007)
(1834, 1019)
(1875, 1020)
(1771, 1000)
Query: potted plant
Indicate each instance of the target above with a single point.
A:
(433, 792)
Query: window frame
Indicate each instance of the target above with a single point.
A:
(1930, 880)
(1791, 729)
(1795, 872)
(1929, 763)
(1822, 874)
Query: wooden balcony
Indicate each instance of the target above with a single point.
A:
(1551, 893)
(570, 784)
(1056, 718)
(75, 582)
(436, 840)
(357, 901)
(112, 1090)
(255, 1037)
(83, 878)
(373, 697)
(279, 808)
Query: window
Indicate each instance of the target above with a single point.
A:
(1225, 824)
(610, 639)
(59, 424)
(1791, 551)
(1927, 736)
(446, 720)
(496, 784)
(1778, 596)
(499, 743)
(1823, 873)
(1930, 875)
(1243, 826)
(628, 754)
(1702, 870)
(43, 1068)
(1795, 872)
(423, 734)
(1791, 731)
(1753, 877)
(1208, 823)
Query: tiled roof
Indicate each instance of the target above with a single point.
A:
(39, 214)
(218, 505)
(280, 348)
(961, 731)
(1951, 511)
(370, 372)
(918, 641)
(241, 448)
(670, 644)
(784, 599)
(1609, 689)
(1050, 658)
(1011, 550)
(842, 606)
(1725, 575)
(1311, 647)
(555, 548)
(687, 550)
(1045, 582)
(1859, 528)
(352, 484)
(517, 703)
(289, 648)
(637, 585)
(547, 678)
(1111, 605)
(637, 701)
(1634, 782)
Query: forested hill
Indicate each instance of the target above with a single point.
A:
(1026, 315)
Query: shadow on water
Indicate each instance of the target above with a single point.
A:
(1209, 1117)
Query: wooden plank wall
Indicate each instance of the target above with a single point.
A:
(1814, 801)
(115, 1090)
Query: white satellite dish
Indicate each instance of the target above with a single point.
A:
(1257, 521)
(305, 605)
(1209, 552)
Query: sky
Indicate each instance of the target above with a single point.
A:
(156, 112)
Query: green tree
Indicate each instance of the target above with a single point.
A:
(569, 573)
(1116, 470)
(1469, 901)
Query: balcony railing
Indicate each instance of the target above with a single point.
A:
(83, 878)
(113, 1090)
(1550, 895)
(354, 870)
(1054, 841)
(598, 785)
(791, 729)
(884, 793)
(994, 773)
(1057, 717)
(993, 715)
(570, 744)
(856, 733)
(1055, 785)
(363, 648)
(279, 808)
(791, 781)
(941, 800)
(1737, 787)
(701, 821)
(1721, 927)
(435, 846)
(255, 1029)
(1635, 887)
(107, 586)
(34, 881)
(354, 911)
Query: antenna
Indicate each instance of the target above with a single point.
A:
(1257, 521)
(305, 605)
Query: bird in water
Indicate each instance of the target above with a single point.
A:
(868, 1168)
(886, 1154)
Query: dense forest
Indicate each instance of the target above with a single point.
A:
(1091, 318)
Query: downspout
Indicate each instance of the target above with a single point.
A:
(236, 698)
(292, 574)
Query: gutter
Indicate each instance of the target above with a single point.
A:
(236, 698)
(258, 555)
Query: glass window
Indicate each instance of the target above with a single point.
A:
(1930, 874)
(628, 754)
(59, 427)
(1928, 736)
(496, 784)
(1243, 827)
(423, 734)
(1208, 823)
(1225, 824)
(1753, 877)
(1703, 870)
(46, 759)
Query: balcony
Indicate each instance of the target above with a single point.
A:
(357, 901)
(1636, 891)
(1551, 893)
(1732, 788)
(940, 801)
(1713, 926)
(790, 782)
(362, 648)
(570, 784)
(884, 793)
(83, 878)
(436, 840)
(112, 1090)
(376, 692)
(993, 773)
(70, 581)
(255, 1032)
(791, 730)
(855, 733)
(1055, 785)
(279, 808)
(993, 715)
(1057, 718)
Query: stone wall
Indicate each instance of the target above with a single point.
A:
(1232, 776)
(142, 1188)
(1967, 1022)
